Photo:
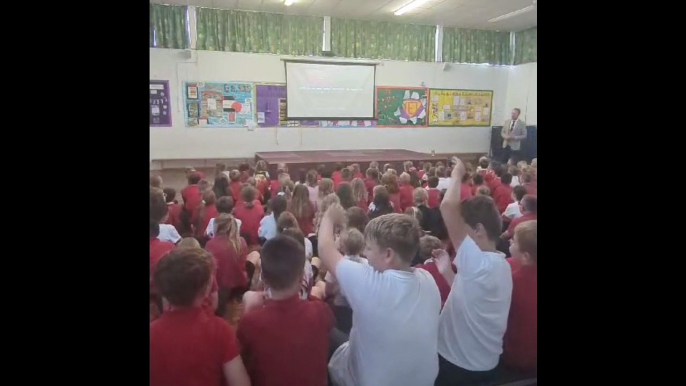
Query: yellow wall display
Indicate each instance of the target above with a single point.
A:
(460, 107)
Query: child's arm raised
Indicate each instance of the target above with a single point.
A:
(450, 207)
(328, 252)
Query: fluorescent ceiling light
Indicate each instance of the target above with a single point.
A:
(288, 3)
(514, 13)
(409, 7)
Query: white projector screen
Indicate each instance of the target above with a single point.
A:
(330, 91)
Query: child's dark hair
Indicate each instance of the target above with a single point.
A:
(478, 179)
(357, 218)
(482, 210)
(183, 275)
(346, 174)
(296, 234)
(169, 194)
(499, 170)
(320, 169)
(283, 261)
(158, 205)
(154, 229)
(278, 205)
(156, 181)
(339, 167)
(433, 182)
(194, 178)
(221, 186)
(373, 174)
(345, 195)
(506, 179)
(302, 175)
(243, 167)
(248, 194)
(530, 203)
(519, 192)
(225, 204)
(484, 163)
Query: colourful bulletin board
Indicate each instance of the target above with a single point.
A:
(401, 106)
(460, 107)
(160, 107)
(271, 110)
(215, 104)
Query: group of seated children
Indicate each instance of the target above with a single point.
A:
(384, 280)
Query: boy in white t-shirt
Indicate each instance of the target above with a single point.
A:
(512, 211)
(394, 336)
(474, 318)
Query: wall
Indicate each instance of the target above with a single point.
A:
(179, 142)
(522, 91)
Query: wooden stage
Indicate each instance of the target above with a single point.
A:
(307, 160)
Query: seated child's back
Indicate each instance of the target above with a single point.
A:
(189, 346)
(284, 339)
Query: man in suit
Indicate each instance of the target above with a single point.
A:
(514, 131)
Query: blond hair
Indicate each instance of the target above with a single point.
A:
(188, 242)
(359, 190)
(226, 225)
(483, 190)
(526, 235)
(324, 204)
(352, 242)
(398, 232)
(426, 246)
(419, 196)
(325, 187)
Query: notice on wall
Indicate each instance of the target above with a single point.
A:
(160, 108)
(218, 104)
(460, 107)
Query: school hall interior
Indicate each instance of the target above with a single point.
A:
(323, 120)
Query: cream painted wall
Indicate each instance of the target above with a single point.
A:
(179, 142)
(522, 92)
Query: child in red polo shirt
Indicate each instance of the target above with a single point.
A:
(370, 182)
(356, 171)
(433, 193)
(192, 199)
(529, 209)
(175, 208)
(303, 210)
(465, 187)
(207, 212)
(521, 338)
(502, 194)
(360, 194)
(189, 346)
(406, 190)
(284, 339)
(427, 244)
(235, 186)
(249, 214)
(477, 181)
(158, 248)
(390, 181)
(336, 175)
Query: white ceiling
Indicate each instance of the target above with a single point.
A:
(451, 13)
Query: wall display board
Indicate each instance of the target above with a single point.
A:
(460, 107)
(218, 104)
(401, 106)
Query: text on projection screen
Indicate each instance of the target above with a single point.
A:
(330, 91)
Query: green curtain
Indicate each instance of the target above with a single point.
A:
(476, 46)
(259, 32)
(168, 27)
(382, 40)
(525, 46)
